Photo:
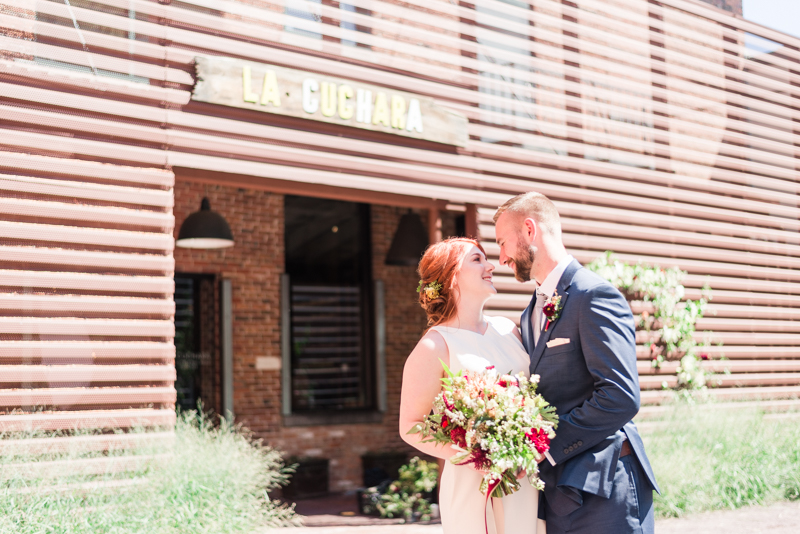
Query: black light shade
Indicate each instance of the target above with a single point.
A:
(409, 242)
(205, 229)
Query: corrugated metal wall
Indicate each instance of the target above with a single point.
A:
(666, 131)
(86, 309)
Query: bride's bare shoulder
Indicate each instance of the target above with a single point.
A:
(430, 349)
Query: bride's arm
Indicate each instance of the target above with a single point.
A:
(421, 383)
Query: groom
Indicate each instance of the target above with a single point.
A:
(579, 332)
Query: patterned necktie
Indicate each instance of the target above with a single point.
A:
(537, 316)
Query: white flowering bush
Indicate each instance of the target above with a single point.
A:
(672, 324)
(496, 422)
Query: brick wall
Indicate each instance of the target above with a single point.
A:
(254, 264)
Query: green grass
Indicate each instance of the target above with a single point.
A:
(209, 480)
(214, 480)
(707, 458)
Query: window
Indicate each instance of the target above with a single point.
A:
(307, 20)
(86, 62)
(328, 268)
(195, 327)
(304, 12)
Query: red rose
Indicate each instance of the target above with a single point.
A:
(508, 380)
(540, 440)
(703, 356)
(459, 436)
(549, 309)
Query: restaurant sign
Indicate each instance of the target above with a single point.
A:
(296, 93)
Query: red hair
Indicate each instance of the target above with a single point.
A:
(440, 263)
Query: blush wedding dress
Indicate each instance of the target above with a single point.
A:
(461, 504)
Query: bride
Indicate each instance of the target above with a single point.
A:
(461, 336)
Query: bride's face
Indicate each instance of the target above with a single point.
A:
(474, 279)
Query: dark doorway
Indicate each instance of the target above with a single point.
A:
(328, 264)
(195, 342)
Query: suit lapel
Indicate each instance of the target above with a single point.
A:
(563, 285)
(525, 326)
(545, 335)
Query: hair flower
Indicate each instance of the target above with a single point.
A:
(431, 290)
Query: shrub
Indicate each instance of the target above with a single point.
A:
(410, 495)
(208, 479)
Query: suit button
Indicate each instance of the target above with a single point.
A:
(580, 444)
(566, 451)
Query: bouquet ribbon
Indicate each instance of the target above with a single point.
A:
(490, 488)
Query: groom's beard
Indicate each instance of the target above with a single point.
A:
(523, 263)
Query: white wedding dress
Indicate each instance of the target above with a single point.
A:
(461, 504)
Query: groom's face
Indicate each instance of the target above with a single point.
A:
(522, 261)
(515, 246)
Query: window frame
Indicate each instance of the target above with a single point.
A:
(372, 356)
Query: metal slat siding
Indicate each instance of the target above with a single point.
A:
(86, 307)
(70, 292)
(648, 125)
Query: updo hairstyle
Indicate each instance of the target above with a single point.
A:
(440, 263)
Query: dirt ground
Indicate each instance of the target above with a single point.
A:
(372, 529)
(783, 518)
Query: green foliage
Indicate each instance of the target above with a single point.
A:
(672, 324)
(208, 480)
(409, 496)
(706, 458)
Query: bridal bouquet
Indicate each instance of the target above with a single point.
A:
(497, 422)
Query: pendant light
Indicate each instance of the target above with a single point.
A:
(409, 242)
(205, 229)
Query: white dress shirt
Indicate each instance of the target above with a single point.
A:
(548, 287)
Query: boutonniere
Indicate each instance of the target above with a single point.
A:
(552, 309)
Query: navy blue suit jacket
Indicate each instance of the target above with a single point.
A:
(594, 385)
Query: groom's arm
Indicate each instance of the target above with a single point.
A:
(608, 343)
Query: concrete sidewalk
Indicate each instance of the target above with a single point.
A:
(783, 518)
